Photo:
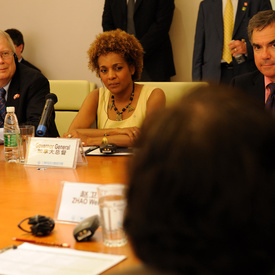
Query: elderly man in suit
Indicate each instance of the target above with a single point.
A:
(261, 83)
(221, 27)
(22, 87)
(150, 22)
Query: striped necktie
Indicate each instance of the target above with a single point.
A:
(228, 26)
(2, 107)
(270, 102)
(130, 17)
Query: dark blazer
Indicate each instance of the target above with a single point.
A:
(152, 19)
(252, 84)
(27, 63)
(27, 92)
(207, 54)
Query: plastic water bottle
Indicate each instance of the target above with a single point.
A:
(240, 58)
(11, 136)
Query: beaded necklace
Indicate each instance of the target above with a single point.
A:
(128, 106)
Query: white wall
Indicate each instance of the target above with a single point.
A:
(58, 33)
(182, 35)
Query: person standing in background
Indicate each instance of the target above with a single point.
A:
(222, 49)
(149, 21)
(18, 41)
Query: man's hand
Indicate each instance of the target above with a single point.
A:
(237, 47)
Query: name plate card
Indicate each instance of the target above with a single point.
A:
(76, 202)
(53, 152)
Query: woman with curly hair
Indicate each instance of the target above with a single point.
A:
(121, 105)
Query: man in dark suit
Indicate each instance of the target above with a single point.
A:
(208, 63)
(261, 32)
(152, 20)
(18, 41)
(25, 88)
(252, 83)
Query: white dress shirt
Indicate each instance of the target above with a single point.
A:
(234, 3)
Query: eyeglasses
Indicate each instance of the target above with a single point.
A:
(6, 55)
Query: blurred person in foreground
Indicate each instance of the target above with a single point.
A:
(22, 87)
(121, 105)
(201, 189)
(18, 41)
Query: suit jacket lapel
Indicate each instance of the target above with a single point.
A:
(14, 92)
(124, 8)
(217, 9)
(241, 10)
(119, 7)
(259, 87)
(138, 3)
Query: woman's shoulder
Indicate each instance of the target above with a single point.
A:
(153, 91)
(94, 93)
(149, 89)
(152, 94)
(93, 96)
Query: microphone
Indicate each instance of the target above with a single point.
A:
(51, 99)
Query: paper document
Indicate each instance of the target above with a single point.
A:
(37, 260)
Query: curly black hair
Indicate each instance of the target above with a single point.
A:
(119, 42)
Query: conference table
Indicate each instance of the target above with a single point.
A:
(28, 191)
